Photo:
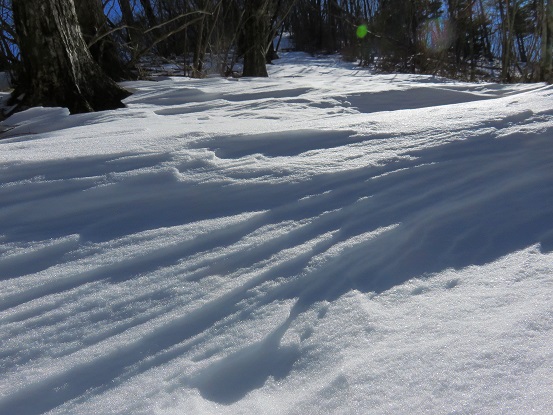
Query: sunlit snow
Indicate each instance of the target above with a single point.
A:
(323, 241)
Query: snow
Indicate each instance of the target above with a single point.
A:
(324, 241)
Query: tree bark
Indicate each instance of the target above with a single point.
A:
(58, 69)
(256, 32)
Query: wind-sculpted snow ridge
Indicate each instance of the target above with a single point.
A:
(324, 241)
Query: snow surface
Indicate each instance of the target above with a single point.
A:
(324, 241)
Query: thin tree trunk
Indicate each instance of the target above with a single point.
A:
(149, 12)
(506, 40)
(199, 50)
(153, 22)
(128, 19)
(485, 31)
(471, 46)
(547, 42)
(521, 48)
(58, 67)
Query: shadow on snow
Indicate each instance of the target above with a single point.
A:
(464, 203)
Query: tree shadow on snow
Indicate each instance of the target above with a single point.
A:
(464, 203)
(458, 205)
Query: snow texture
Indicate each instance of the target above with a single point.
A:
(324, 241)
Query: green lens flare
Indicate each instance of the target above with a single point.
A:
(362, 31)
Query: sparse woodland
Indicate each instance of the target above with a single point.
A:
(498, 40)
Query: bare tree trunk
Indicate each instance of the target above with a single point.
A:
(256, 32)
(94, 27)
(149, 12)
(58, 67)
(506, 39)
(471, 45)
(199, 49)
(126, 13)
(128, 19)
(153, 22)
(547, 42)
(485, 32)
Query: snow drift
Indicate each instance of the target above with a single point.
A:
(322, 241)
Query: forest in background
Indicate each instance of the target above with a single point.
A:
(499, 40)
(496, 40)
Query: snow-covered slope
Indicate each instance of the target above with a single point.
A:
(324, 241)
